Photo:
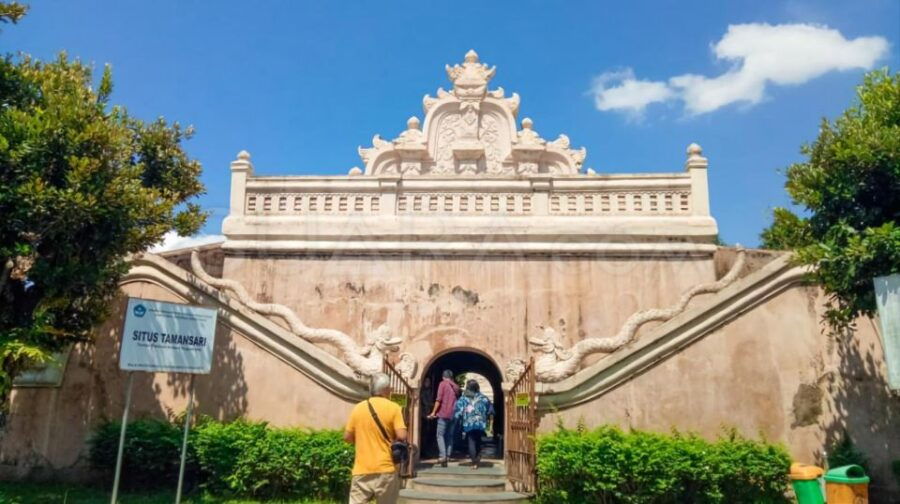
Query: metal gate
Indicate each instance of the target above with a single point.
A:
(404, 395)
(521, 424)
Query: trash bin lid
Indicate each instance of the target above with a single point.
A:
(850, 474)
(805, 471)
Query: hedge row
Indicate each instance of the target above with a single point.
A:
(236, 458)
(607, 465)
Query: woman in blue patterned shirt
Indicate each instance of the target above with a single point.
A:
(475, 411)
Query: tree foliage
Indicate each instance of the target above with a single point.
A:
(12, 12)
(82, 185)
(850, 189)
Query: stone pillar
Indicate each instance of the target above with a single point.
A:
(241, 170)
(541, 187)
(388, 188)
(696, 165)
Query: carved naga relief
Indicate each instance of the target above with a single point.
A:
(365, 360)
(555, 363)
(468, 131)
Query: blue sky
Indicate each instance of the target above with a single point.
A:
(301, 85)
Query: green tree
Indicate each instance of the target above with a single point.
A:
(82, 186)
(12, 12)
(850, 190)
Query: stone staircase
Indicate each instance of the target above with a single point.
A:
(458, 482)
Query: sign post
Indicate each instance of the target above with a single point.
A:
(115, 492)
(187, 428)
(164, 337)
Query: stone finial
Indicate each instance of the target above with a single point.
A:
(355, 171)
(412, 135)
(242, 163)
(527, 136)
(470, 79)
(695, 157)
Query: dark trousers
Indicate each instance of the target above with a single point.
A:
(474, 437)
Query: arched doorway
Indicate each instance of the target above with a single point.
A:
(461, 362)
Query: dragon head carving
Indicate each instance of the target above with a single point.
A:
(549, 342)
(382, 340)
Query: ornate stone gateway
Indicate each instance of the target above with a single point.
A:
(434, 209)
(468, 242)
(521, 427)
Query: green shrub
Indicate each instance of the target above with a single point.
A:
(219, 447)
(895, 468)
(245, 458)
(151, 453)
(844, 452)
(607, 465)
(238, 458)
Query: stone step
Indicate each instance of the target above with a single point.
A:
(464, 461)
(458, 485)
(462, 472)
(410, 496)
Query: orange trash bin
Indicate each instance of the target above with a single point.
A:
(847, 485)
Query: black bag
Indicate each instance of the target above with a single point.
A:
(399, 449)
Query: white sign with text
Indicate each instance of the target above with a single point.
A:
(887, 295)
(167, 337)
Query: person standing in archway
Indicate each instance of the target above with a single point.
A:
(475, 411)
(442, 410)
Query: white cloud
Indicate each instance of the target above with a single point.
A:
(761, 55)
(172, 241)
(621, 91)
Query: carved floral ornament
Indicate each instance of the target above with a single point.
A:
(468, 131)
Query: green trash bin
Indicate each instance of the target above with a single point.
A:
(807, 487)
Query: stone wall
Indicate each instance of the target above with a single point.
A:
(774, 373)
(772, 370)
(486, 303)
(48, 428)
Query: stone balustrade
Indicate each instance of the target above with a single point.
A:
(538, 213)
(613, 195)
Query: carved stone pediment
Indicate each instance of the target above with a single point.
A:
(471, 131)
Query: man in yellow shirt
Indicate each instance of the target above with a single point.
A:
(374, 473)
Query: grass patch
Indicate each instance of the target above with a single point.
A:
(52, 493)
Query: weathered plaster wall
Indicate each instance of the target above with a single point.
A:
(773, 372)
(487, 303)
(48, 427)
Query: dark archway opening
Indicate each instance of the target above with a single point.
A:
(469, 363)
